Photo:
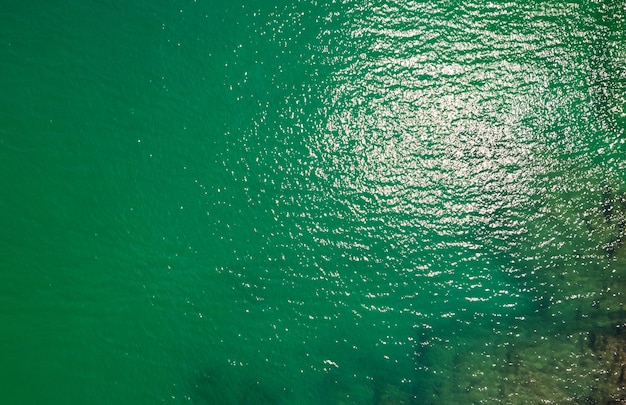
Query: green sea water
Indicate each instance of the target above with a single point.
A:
(338, 202)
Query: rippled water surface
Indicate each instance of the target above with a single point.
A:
(313, 202)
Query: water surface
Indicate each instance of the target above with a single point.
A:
(304, 202)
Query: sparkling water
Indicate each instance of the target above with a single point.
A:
(307, 202)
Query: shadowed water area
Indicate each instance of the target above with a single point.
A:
(305, 202)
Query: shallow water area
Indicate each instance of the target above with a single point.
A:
(305, 202)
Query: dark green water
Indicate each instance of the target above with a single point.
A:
(311, 202)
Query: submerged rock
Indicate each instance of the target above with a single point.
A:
(614, 212)
(611, 353)
(222, 385)
(392, 395)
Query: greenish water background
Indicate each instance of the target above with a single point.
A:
(303, 202)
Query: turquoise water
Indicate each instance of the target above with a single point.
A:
(312, 202)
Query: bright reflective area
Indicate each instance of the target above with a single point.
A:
(311, 203)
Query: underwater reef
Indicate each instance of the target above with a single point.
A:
(569, 350)
(572, 350)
